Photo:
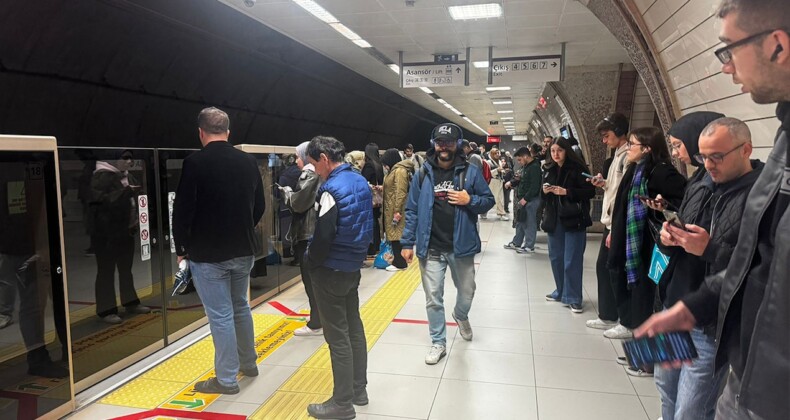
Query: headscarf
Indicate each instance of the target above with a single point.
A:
(390, 158)
(688, 129)
(301, 151)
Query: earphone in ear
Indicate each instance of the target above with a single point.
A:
(776, 53)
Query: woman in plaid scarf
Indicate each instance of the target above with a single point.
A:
(651, 173)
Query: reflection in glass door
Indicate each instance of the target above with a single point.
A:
(111, 228)
(34, 358)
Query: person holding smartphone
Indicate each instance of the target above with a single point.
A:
(566, 217)
(632, 241)
(711, 212)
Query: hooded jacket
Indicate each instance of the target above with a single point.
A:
(396, 194)
(419, 209)
(301, 203)
(751, 296)
(113, 208)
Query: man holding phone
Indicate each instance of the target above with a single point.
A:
(702, 236)
(749, 300)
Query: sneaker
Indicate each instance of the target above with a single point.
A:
(435, 354)
(251, 372)
(393, 268)
(621, 360)
(138, 309)
(212, 386)
(523, 250)
(5, 320)
(331, 410)
(464, 327)
(510, 245)
(366, 264)
(552, 298)
(600, 324)
(360, 397)
(618, 332)
(504, 217)
(576, 308)
(484, 216)
(640, 373)
(308, 332)
(112, 319)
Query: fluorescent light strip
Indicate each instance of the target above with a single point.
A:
(502, 102)
(426, 90)
(481, 64)
(343, 29)
(476, 11)
(314, 9)
(506, 118)
(509, 111)
(442, 101)
(362, 43)
(497, 88)
(395, 68)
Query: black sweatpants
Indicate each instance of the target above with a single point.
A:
(636, 305)
(397, 258)
(607, 306)
(315, 316)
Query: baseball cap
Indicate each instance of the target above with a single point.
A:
(447, 131)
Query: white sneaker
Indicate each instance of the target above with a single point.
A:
(435, 354)
(600, 324)
(525, 250)
(504, 217)
(464, 327)
(510, 245)
(393, 268)
(618, 332)
(112, 319)
(622, 361)
(307, 332)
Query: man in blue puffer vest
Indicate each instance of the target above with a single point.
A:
(340, 243)
(445, 197)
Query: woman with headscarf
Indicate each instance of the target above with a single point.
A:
(566, 217)
(396, 194)
(631, 246)
(373, 172)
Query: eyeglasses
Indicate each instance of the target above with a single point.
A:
(629, 144)
(444, 142)
(716, 158)
(724, 54)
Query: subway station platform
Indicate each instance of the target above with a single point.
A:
(530, 359)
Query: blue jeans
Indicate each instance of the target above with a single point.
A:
(566, 252)
(527, 231)
(223, 289)
(691, 391)
(433, 270)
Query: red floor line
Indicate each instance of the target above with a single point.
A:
(27, 403)
(418, 321)
(282, 308)
(181, 414)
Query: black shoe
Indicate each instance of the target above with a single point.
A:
(47, 370)
(330, 410)
(212, 386)
(251, 372)
(576, 308)
(360, 397)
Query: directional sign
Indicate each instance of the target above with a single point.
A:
(509, 70)
(171, 198)
(145, 236)
(430, 75)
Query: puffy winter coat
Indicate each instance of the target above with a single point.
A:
(396, 194)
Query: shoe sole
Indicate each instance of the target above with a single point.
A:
(601, 327)
(620, 337)
(459, 329)
(444, 353)
(577, 311)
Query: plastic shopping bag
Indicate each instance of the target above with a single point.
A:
(384, 258)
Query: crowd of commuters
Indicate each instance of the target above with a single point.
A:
(724, 230)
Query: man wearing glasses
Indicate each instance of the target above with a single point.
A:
(750, 300)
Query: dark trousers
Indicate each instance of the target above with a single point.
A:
(315, 316)
(506, 192)
(112, 252)
(607, 306)
(373, 249)
(636, 305)
(397, 258)
(337, 293)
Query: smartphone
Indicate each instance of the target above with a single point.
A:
(668, 347)
(278, 185)
(586, 175)
(674, 220)
(546, 185)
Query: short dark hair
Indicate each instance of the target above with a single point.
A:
(409, 147)
(213, 121)
(464, 143)
(330, 146)
(535, 149)
(548, 137)
(613, 122)
(757, 15)
(523, 151)
(654, 138)
(482, 145)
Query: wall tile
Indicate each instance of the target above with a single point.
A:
(706, 64)
(682, 75)
(658, 14)
(694, 12)
(761, 153)
(743, 108)
(666, 34)
(690, 96)
(717, 87)
(702, 38)
(763, 131)
(674, 55)
(643, 5)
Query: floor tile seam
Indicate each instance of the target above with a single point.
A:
(588, 391)
(492, 351)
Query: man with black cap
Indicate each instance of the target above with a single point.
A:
(445, 198)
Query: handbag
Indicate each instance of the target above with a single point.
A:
(658, 263)
(384, 257)
(567, 208)
(378, 197)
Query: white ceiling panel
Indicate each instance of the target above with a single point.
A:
(438, 14)
(364, 20)
(542, 7)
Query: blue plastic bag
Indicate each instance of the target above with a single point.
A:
(384, 257)
(658, 263)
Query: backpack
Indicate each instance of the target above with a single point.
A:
(486, 171)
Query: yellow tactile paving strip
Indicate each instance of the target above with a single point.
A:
(170, 384)
(312, 382)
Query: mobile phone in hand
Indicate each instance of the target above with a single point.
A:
(674, 219)
(667, 347)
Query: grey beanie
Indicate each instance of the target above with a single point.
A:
(301, 151)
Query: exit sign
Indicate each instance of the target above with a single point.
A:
(493, 139)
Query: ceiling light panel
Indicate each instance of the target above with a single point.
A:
(395, 68)
(497, 88)
(316, 10)
(345, 31)
(507, 111)
(362, 43)
(502, 102)
(426, 90)
(506, 118)
(480, 64)
(476, 11)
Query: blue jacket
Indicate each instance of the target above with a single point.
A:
(344, 227)
(419, 210)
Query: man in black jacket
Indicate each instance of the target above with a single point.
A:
(749, 300)
(218, 203)
(712, 210)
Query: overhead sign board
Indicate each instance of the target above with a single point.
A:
(493, 139)
(416, 75)
(510, 70)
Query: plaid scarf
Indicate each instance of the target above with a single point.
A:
(634, 226)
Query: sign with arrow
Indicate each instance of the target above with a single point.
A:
(541, 68)
(430, 75)
(191, 404)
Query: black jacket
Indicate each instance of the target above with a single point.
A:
(751, 297)
(568, 176)
(724, 207)
(113, 206)
(662, 179)
(218, 203)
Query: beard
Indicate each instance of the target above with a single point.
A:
(446, 156)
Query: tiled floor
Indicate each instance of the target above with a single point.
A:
(530, 359)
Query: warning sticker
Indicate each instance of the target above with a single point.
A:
(145, 234)
(17, 199)
(171, 198)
